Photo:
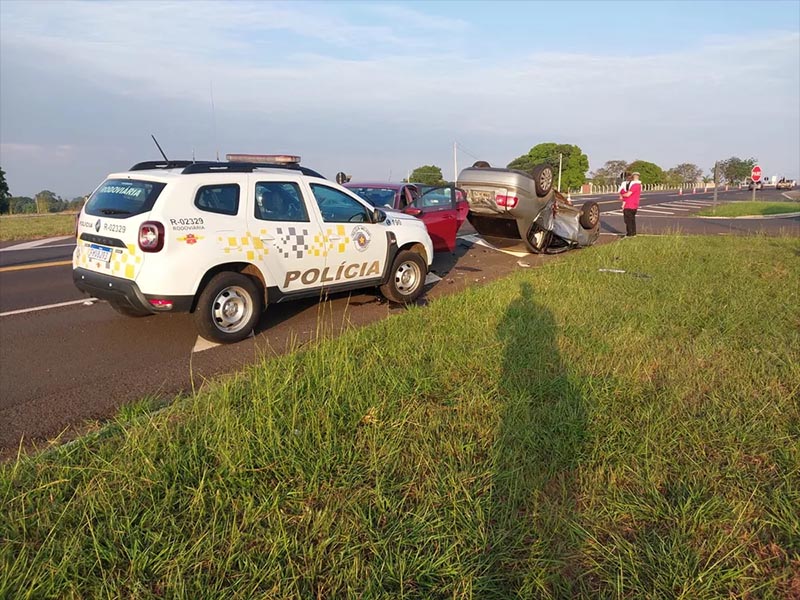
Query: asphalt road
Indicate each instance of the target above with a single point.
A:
(66, 362)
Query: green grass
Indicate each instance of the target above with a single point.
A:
(746, 209)
(561, 433)
(27, 227)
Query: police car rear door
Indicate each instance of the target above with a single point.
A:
(286, 233)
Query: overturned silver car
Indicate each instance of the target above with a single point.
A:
(513, 204)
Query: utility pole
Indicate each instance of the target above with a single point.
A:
(560, 156)
(455, 162)
(716, 183)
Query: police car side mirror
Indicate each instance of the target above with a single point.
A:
(378, 216)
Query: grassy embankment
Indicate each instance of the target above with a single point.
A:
(27, 227)
(564, 432)
(747, 209)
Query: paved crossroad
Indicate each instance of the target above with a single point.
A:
(675, 207)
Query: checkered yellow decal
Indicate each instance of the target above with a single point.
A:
(290, 242)
(323, 245)
(123, 263)
(249, 246)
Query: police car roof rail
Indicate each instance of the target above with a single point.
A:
(190, 167)
(160, 164)
(244, 167)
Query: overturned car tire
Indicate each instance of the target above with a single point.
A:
(590, 215)
(543, 178)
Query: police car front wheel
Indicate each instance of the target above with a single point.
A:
(228, 308)
(406, 279)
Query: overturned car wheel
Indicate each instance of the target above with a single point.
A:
(590, 215)
(543, 178)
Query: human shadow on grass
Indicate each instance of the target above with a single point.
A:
(533, 543)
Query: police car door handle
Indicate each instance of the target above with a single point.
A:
(334, 238)
(267, 238)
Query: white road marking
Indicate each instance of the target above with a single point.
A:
(673, 207)
(202, 343)
(37, 244)
(695, 203)
(478, 240)
(22, 311)
(432, 278)
(658, 212)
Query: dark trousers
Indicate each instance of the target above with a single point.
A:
(629, 214)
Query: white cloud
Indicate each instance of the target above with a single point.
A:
(302, 72)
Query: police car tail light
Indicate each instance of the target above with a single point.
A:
(160, 303)
(507, 201)
(151, 236)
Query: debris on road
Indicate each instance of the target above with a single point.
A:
(622, 271)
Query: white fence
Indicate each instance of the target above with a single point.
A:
(647, 187)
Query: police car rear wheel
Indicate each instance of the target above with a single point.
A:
(407, 278)
(228, 308)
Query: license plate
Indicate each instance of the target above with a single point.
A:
(481, 196)
(100, 253)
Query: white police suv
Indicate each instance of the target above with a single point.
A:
(224, 239)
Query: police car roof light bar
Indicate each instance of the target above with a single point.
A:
(263, 158)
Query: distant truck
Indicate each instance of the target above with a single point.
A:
(785, 184)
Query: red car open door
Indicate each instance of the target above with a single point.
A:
(442, 215)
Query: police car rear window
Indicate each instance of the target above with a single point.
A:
(222, 199)
(122, 198)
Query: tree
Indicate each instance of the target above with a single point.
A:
(427, 175)
(76, 203)
(673, 178)
(735, 169)
(574, 162)
(18, 205)
(609, 173)
(648, 172)
(688, 172)
(44, 200)
(58, 205)
(4, 194)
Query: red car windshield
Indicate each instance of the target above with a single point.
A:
(379, 197)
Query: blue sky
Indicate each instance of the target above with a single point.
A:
(376, 89)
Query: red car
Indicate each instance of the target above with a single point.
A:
(441, 215)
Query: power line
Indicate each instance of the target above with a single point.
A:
(466, 151)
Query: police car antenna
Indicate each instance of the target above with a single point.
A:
(159, 147)
(214, 118)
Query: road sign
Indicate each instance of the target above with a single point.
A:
(755, 174)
